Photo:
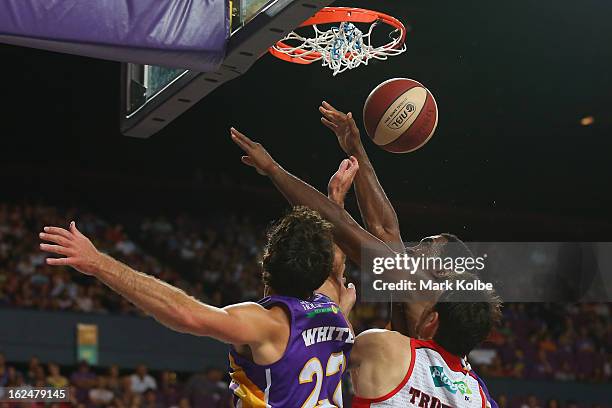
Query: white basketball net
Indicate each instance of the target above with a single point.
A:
(342, 48)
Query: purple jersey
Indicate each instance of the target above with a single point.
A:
(310, 371)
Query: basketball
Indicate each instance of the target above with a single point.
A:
(400, 115)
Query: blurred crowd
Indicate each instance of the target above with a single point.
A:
(215, 258)
(543, 341)
(111, 388)
(26, 281)
(89, 388)
(531, 401)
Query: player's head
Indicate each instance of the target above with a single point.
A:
(456, 319)
(465, 319)
(298, 256)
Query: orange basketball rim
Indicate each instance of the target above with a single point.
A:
(355, 44)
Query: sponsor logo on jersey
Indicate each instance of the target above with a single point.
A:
(440, 379)
(331, 309)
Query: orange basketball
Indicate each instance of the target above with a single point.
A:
(400, 115)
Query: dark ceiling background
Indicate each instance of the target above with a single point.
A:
(512, 81)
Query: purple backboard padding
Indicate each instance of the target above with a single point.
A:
(191, 34)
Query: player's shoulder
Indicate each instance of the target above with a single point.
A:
(381, 343)
(276, 313)
(383, 336)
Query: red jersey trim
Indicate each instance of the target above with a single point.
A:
(453, 362)
(359, 402)
(482, 397)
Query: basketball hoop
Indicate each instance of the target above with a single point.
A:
(343, 46)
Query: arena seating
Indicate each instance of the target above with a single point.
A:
(215, 258)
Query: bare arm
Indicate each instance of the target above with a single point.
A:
(337, 188)
(349, 235)
(334, 287)
(379, 361)
(376, 210)
(238, 324)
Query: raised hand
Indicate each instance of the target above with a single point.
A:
(348, 297)
(256, 156)
(77, 249)
(341, 181)
(344, 127)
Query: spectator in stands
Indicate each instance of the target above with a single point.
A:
(183, 403)
(83, 301)
(72, 396)
(12, 376)
(55, 378)
(141, 381)
(208, 390)
(149, 399)
(532, 402)
(4, 375)
(565, 373)
(18, 380)
(553, 403)
(169, 391)
(547, 344)
(113, 380)
(40, 377)
(83, 379)
(125, 396)
(541, 369)
(502, 401)
(33, 370)
(100, 395)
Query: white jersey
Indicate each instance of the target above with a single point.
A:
(435, 379)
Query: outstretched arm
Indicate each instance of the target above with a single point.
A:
(348, 234)
(334, 287)
(237, 324)
(376, 210)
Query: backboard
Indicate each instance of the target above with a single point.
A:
(153, 96)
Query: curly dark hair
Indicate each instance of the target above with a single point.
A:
(298, 256)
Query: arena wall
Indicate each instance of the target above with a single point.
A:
(123, 340)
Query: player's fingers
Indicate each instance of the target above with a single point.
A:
(344, 164)
(351, 122)
(58, 231)
(353, 292)
(352, 171)
(354, 162)
(248, 161)
(74, 229)
(59, 261)
(58, 239)
(331, 115)
(241, 143)
(329, 106)
(333, 110)
(242, 137)
(56, 249)
(326, 112)
(329, 124)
